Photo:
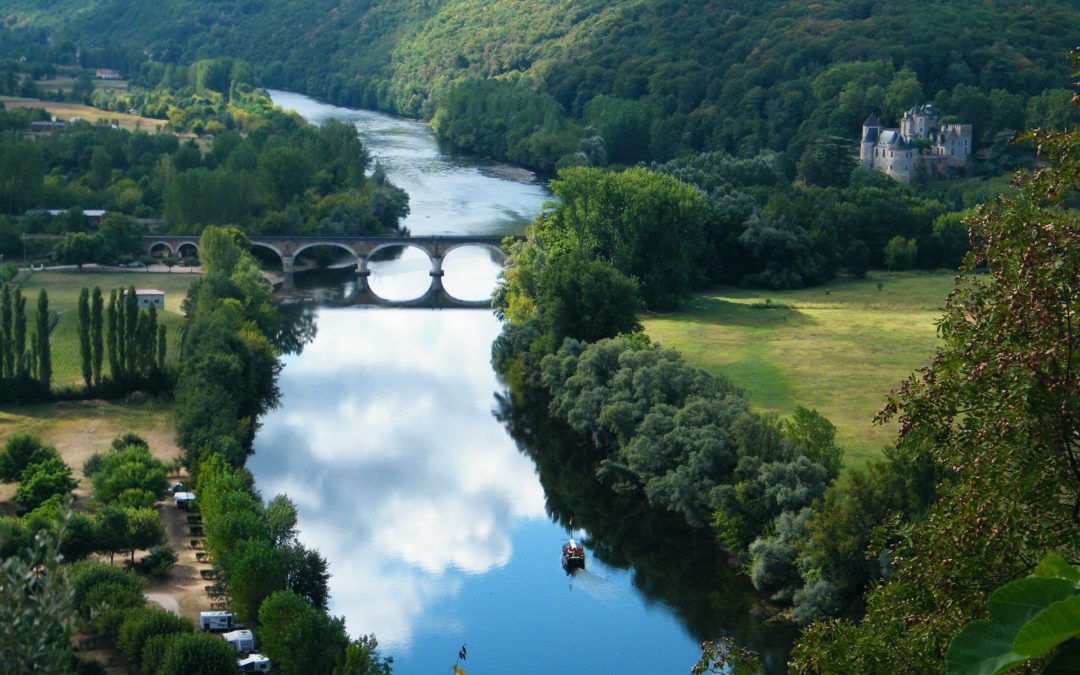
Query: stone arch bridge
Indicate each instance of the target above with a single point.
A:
(362, 249)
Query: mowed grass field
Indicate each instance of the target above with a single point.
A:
(838, 348)
(63, 288)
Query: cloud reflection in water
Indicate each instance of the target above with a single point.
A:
(404, 483)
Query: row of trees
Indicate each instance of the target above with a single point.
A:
(227, 381)
(25, 361)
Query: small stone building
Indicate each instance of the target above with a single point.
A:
(150, 296)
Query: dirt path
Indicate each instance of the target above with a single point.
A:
(184, 589)
(164, 601)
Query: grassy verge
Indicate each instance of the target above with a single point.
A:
(64, 287)
(838, 348)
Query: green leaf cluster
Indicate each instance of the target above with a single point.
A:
(1028, 618)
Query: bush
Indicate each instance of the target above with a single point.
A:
(136, 498)
(144, 623)
(20, 451)
(91, 466)
(197, 653)
(124, 589)
(43, 480)
(129, 438)
(130, 466)
(158, 562)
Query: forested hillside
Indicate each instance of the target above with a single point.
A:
(639, 79)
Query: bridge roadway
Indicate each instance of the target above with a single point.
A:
(362, 249)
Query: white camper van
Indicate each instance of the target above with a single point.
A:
(254, 663)
(243, 641)
(215, 621)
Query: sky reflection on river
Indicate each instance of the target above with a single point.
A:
(387, 445)
(432, 520)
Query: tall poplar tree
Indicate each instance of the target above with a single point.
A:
(149, 346)
(18, 345)
(161, 348)
(44, 369)
(96, 345)
(7, 337)
(131, 331)
(115, 363)
(84, 338)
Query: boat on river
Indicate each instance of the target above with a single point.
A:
(573, 556)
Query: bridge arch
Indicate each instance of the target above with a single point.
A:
(179, 251)
(153, 246)
(500, 254)
(402, 243)
(335, 244)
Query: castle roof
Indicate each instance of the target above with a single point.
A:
(871, 121)
(893, 137)
(924, 109)
(871, 134)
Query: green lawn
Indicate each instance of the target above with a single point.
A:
(64, 288)
(837, 348)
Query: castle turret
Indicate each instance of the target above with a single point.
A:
(870, 130)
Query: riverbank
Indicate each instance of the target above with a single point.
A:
(838, 348)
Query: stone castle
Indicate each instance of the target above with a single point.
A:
(919, 145)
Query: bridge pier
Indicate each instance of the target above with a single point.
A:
(287, 264)
(436, 273)
(362, 273)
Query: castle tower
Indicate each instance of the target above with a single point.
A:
(919, 122)
(870, 130)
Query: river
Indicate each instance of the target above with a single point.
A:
(406, 468)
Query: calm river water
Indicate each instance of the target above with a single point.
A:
(435, 524)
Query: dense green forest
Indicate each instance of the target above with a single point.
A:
(253, 166)
(651, 80)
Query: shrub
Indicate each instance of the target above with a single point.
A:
(124, 588)
(129, 438)
(158, 562)
(20, 451)
(43, 480)
(144, 623)
(130, 466)
(197, 653)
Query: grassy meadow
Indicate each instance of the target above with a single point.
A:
(837, 348)
(63, 288)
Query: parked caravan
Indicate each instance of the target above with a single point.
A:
(215, 621)
(182, 499)
(243, 641)
(254, 663)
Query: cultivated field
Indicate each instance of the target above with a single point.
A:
(837, 348)
(63, 288)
